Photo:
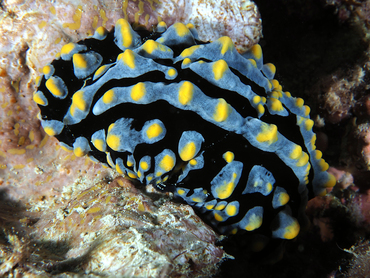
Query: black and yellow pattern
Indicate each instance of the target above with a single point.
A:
(196, 118)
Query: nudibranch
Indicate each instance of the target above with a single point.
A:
(195, 118)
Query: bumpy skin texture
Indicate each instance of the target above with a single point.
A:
(195, 118)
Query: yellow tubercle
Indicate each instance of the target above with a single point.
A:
(296, 152)
(186, 92)
(271, 67)
(67, 48)
(253, 62)
(78, 100)
(53, 87)
(193, 162)
(260, 109)
(256, 99)
(292, 230)
(231, 210)
(138, 91)
(331, 181)
(299, 102)
(181, 29)
(125, 31)
(113, 141)
(226, 44)
(154, 131)
(276, 104)
(303, 159)
(257, 51)
(46, 70)
(101, 31)
(219, 68)
(99, 144)
(308, 124)
(218, 217)
(36, 98)
(188, 51)
(167, 163)
(132, 175)
(254, 223)
(109, 96)
(188, 151)
(323, 165)
(79, 61)
(171, 72)
(268, 134)
(78, 152)
(128, 58)
(49, 131)
(283, 198)
(144, 165)
(225, 190)
(228, 156)
(222, 111)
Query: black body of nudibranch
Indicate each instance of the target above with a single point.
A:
(196, 118)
